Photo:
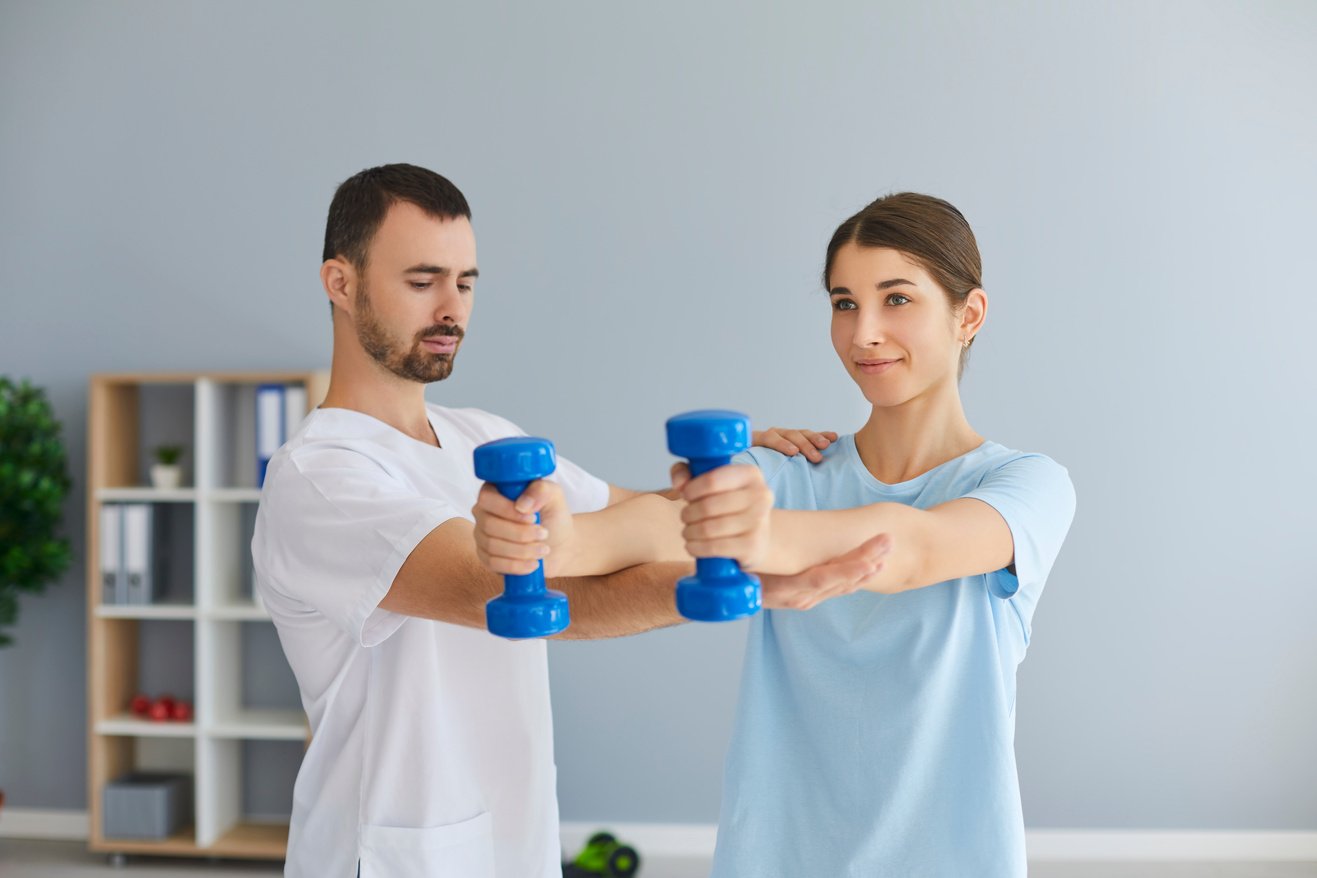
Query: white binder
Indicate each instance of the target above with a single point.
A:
(139, 552)
(269, 426)
(294, 409)
(113, 584)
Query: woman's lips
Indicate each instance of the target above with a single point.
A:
(875, 367)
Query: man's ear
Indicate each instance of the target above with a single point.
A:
(339, 278)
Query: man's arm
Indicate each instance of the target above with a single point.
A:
(443, 579)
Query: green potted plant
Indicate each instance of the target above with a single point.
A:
(165, 471)
(33, 483)
(34, 480)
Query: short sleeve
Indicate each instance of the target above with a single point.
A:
(770, 462)
(1033, 493)
(584, 492)
(334, 530)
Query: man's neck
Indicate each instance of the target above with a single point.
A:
(372, 390)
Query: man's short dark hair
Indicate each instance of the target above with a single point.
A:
(361, 202)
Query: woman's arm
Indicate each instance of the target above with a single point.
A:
(962, 537)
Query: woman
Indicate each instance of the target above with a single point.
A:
(875, 732)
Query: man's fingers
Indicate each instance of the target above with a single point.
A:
(512, 531)
(496, 548)
(538, 494)
(681, 474)
(820, 440)
(491, 501)
(508, 567)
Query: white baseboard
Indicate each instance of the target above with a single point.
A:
(1044, 845)
(1131, 845)
(696, 840)
(44, 823)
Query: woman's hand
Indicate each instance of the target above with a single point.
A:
(842, 575)
(508, 541)
(793, 442)
(728, 513)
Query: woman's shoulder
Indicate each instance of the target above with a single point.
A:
(778, 467)
(999, 465)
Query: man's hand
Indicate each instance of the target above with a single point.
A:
(842, 575)
(507, 538)
(793, 442)
(728, 513)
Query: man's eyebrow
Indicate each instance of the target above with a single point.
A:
(440, 270)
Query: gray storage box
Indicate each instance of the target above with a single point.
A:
(146, 805)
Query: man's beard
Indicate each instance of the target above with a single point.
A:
(414, 363)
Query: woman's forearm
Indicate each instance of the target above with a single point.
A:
(643, 529)
(803, 538)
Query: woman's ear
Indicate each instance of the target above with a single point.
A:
(973, 314)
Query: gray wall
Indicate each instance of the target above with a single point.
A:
(652, 193)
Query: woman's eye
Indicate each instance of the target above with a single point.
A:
(843, 305)
(893, 299)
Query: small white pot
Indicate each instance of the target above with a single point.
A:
(166, 476)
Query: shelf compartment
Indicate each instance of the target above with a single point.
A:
(120, 755)
(225, 559)
(249, 795)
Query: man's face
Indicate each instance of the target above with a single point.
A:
(414, 298)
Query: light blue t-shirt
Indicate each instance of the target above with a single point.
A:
(875, 733)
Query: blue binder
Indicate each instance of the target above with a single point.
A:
(270, 419)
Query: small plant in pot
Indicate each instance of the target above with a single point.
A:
(165, 471)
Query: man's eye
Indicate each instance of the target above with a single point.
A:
(466, 288)
(843, 305)
(420, 284)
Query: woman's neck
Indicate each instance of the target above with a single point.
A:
(899, 443)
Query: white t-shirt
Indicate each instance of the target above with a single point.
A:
(431, 747)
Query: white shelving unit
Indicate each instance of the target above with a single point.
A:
(194, 638)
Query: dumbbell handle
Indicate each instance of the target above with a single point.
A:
(709, 569)
(520, 583)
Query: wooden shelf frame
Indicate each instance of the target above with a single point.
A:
(220, 726)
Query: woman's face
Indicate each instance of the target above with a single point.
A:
(892, 325)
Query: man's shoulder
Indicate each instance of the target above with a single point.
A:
(476, 422)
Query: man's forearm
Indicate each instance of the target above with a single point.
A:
(630, 601)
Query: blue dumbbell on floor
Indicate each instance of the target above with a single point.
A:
(526, 608)
(720, 590)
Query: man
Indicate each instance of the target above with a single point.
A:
(431, 750)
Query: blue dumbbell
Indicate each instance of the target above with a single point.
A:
(720, 590)
(526, 608)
